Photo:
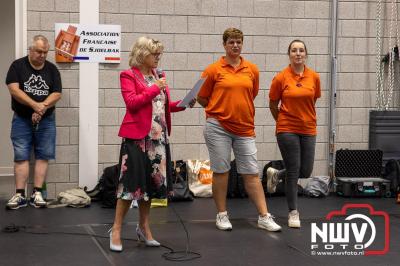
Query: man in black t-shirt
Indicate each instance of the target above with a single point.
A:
(35, 87)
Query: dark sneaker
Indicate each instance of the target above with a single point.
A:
(17, 201)
(37, 200)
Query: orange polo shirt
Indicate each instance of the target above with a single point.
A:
(230, 93)
(297, 95)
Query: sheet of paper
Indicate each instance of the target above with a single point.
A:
(192, 93)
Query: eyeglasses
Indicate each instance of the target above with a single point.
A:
(156, 55)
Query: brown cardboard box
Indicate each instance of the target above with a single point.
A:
(66, 45)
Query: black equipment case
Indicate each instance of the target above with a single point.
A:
(358, 173)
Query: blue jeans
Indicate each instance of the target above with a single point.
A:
(42, 138)
(298, 154)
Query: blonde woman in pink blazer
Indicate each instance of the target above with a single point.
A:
(145, 130)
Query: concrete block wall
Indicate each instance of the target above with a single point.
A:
(356, 91)
(41, 17)
(191, 32)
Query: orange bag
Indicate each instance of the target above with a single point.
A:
(205, 176)
(200, 177)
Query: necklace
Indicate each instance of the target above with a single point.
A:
(149, 79)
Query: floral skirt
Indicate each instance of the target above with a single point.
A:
(143, 173)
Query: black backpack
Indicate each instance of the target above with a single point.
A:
(106, 189)
(392, 173)
(236, 187)
(180, 182)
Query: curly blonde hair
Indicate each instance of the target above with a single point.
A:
(142, 48)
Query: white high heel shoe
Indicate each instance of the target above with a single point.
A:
(113, 247)
(149, 243)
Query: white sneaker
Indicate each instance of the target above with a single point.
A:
(294, 219)
(222, 221)
(267, 222)
(17, 201)
(37, 200)
(272, 179)
(134, 204)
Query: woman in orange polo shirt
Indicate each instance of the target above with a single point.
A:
(227, 96)
(292, 95)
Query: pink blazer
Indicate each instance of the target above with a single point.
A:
(138, 100)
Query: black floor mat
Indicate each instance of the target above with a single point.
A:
(67, 236)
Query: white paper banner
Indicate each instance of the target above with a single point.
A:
(87, 43)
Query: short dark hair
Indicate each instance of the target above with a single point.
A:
(300, 41)
(232, 33)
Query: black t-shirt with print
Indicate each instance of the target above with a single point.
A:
(37, 84)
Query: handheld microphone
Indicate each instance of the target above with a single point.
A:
(159, 73)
